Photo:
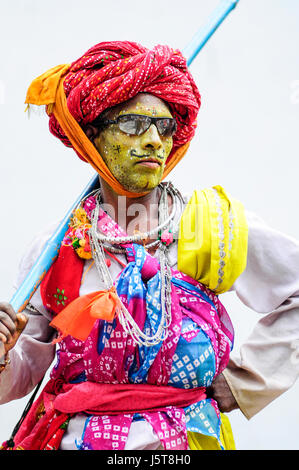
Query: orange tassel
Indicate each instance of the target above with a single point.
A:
(78, 318)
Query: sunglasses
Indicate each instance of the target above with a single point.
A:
(137, 124)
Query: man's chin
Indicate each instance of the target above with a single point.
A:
(142, 185)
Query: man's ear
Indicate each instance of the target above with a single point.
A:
(91, 131)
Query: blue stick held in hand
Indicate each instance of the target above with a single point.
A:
(32, 281)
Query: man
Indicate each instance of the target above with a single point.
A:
(138, 111)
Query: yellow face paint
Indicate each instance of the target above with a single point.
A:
(137, 162)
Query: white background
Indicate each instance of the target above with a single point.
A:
(247, 138)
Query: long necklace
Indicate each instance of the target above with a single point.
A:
(98, 242)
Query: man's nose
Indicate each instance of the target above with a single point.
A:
(151, 138)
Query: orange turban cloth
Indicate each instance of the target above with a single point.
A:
(107, 75)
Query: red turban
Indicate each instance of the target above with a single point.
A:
(113, 72)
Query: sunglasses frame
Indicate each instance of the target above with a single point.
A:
(153, 120)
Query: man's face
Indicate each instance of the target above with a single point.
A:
(136, 161)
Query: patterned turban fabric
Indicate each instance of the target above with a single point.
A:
(113, 72)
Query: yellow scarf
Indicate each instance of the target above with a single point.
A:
(212, 246)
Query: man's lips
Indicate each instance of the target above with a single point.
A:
(149, 162)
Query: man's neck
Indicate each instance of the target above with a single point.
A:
(132, 214)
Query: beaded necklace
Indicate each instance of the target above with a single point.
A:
(99, 242)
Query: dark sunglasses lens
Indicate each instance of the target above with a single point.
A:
(166, 127)
(137, 125)
(134, 125)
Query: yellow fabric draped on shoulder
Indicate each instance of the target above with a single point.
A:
(212, 245)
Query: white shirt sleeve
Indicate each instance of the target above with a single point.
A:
(34, 352)
(267, 364)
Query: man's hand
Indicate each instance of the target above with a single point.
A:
(11, 326)
(220, 391)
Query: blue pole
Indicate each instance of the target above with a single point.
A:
(22, 296)
(48, 255)
(209, 28)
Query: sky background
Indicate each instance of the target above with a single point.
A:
(246, 141)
